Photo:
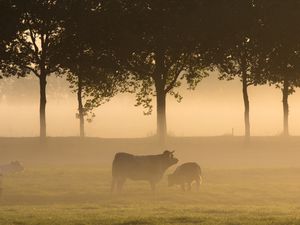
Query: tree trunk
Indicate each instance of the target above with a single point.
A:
(285, 95)
(160, 84)
(247, 108)
(43, 101)
(80, 107)
(161, 115)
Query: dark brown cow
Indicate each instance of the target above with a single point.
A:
(149, 167)
(186, 174)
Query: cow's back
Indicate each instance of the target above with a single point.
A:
(190, 170)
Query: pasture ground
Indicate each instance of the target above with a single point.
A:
(67, 182)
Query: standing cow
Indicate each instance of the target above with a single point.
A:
(149, 167)
(186, 174)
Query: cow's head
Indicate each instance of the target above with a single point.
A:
(168, 158)
(16, 166)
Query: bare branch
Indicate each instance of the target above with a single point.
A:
(33, 40)
(250, 83)
(32, 70)
(177, 73)
(171, 85)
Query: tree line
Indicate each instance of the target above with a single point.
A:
(149, 47)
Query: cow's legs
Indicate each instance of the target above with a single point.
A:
(120, 183)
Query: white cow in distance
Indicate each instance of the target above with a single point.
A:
(10, 168)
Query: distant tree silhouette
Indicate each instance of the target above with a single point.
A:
(35, 47)
(281, 43)
(91, 68)
(240, 50)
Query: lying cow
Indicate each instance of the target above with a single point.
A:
(12, 167)
(149, 167)
(186, 174)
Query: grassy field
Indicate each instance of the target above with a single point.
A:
(73, 193)
(80, 195)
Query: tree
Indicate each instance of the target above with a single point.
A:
(159, 50)
(92, 90)
(240, 50)
(88, 60)
(36, 46)
(280, 39)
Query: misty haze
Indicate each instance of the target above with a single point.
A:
(149, 112)
(213, 109)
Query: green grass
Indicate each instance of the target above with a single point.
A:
(79, 195)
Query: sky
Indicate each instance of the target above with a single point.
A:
(215, 108)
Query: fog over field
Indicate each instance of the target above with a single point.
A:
(213, 109)
(152, 112)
